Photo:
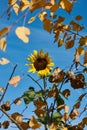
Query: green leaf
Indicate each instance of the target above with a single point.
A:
(29, 96)
(60, 101)
(56, 116)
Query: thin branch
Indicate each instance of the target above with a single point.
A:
(11, 119)
(35, 82)
(8, 83)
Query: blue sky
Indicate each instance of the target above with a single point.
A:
(17, 51)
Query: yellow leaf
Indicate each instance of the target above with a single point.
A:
(42, 15)
(53, 126)
(80, 50)
(14, 80)
(4, 31)
(64, 128)
(85, 59)
(3, 44)
(16, 8)
(32, 19)
(33, 123)
(11, 2)
(22, 33)
(4, 61)
(24, 4)
(48, 25)
(66, 109)
(66, 5)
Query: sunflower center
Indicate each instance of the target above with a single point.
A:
(40, 64)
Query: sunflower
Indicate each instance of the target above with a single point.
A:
(40, 62)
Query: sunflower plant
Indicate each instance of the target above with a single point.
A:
(50, 105)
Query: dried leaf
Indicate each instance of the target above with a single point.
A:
(47, 25)
(85, 59)
(11, 2)
(66, 5)
(32, 19)
(14, 80)
(77, 105)
(66, 109)
(25, 125)
(43, 15)
(76, 26)
(4, 31)
(79, 17)
(5, 124)
(33, 123)
(4, 61)
(60, 42)
(16, 116)
(16, 8)
(2, 90)
(80, 50)
(83, 41)
(17, 101)
(69, 44)
(3, 44)
(40, 104)
(22, 33)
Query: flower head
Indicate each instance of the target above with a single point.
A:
(40, 62)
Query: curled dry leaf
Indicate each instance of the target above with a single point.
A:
(5, 124)
(3, 44)
(32, 19)
(17, 101)
(16, 116)
(4, 61)
(2, 90)
(33, 123)
(4, 31)
(22, 33)
(14, 80)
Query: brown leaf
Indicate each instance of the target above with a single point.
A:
(11, 2)
(33, 123)
(18, 117)
(47, 25)
(69, 44)
(60, 42)
(25, 125)
(66, 92)
(4, 31)
(78, 17)
(77, 105)
(66, 5)
(5, 124)
(42, 15)
(17, 101)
